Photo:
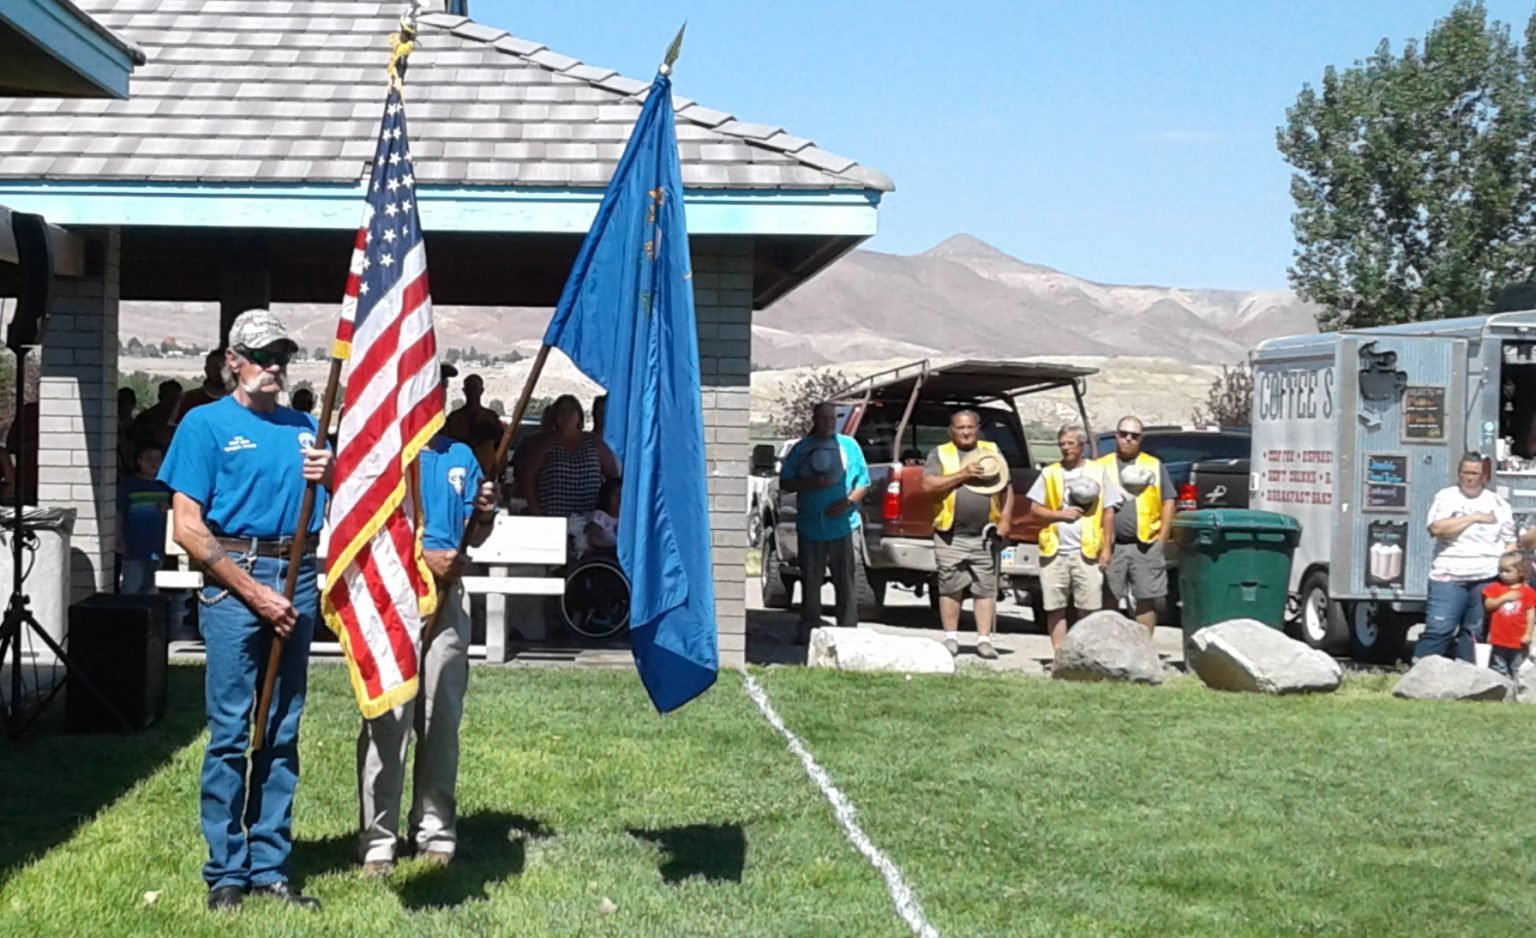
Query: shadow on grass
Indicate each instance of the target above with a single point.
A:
(315, 858)
(716, 852)
(493, 845)
(52, 782)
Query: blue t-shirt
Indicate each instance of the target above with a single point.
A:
(450, 477)
(244, 467)
(811, 521)
(142, 504)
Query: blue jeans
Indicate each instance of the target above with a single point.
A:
(250, 832)
(1453, 618)
(1506, 661)
(139, 575)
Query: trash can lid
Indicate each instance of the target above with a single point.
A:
(1235, 519)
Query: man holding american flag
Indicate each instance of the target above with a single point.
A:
(238, 469)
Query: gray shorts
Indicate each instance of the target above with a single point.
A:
(1138, 570)
(966, 564)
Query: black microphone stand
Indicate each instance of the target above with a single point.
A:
(18, 613)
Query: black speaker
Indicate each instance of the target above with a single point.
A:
(35, 257)
(117, 642)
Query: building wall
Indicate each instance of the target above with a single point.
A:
(722, 295)
(77, 416)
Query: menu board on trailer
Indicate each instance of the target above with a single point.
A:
(1424, 414)
(1386, 482)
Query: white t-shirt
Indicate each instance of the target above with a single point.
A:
(1474, 553)
(1070, 533)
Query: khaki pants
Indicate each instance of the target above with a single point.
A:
(1070, 579)
(384, 741)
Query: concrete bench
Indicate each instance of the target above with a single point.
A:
(514, 569)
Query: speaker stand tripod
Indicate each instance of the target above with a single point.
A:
(19, 621)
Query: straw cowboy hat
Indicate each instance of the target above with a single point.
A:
(994, 470)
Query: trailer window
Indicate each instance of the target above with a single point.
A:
(1517, 409)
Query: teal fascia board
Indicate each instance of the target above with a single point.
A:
(514, 210)
(59, 31)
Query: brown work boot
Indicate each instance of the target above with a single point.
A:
(437, 858)
(379, 869)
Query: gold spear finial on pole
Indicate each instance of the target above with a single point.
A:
(402, 42)
(673, 50)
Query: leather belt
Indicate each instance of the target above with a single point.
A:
(265, 547)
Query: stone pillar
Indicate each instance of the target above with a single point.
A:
(722, 295)
(77, 445)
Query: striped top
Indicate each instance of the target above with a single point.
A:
(570, 478)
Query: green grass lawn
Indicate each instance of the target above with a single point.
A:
(1015, 806)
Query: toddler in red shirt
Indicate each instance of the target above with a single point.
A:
(1512, 607)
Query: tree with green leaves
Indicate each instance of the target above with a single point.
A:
(1413, 176)
(1229, 401)
(792, 410)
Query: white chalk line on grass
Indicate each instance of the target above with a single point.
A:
(907, 906)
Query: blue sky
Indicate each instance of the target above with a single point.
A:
(1125, 142)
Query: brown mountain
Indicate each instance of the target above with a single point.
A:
(965, 297)
(962, 297)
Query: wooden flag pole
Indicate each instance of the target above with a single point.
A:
(503, 450)
(295, 557)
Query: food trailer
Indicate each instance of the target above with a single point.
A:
(1355, 432)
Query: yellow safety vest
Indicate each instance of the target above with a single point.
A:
(1055, 479)
(1149, 504)
(944, 508)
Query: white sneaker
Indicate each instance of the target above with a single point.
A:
(984, 649)
(951, 646)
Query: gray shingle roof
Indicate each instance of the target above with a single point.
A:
(278, 91)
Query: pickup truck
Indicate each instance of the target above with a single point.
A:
(1180, 447)
(1221, 483)
(766, 459)
(898, 417)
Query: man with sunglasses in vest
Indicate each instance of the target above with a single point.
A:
(238, 469)
(1076, 499)
(962, 551)
(1142, 523)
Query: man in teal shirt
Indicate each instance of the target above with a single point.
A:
(827, 471)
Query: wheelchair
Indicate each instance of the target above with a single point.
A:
(595, 603)
(596, 598)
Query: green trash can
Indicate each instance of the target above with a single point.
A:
(1233, 564)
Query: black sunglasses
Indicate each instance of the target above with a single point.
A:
(1128, 434)
(266, 357)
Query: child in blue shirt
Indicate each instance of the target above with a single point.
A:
(142, 504)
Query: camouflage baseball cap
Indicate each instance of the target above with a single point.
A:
(259, 328)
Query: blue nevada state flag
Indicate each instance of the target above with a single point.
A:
(626, 320)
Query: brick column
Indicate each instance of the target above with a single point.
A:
(77, 445)
(722, 295)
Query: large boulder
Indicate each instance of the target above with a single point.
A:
(868, 650)
(1437, 678)
(1245, 655)
(1107, 646)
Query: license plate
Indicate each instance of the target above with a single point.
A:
(1008, 553)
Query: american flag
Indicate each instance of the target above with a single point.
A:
(377, 589)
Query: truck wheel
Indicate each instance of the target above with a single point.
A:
(869, 592)
(1320, 621)
(778, 589)
(754, 530)
(1377, 635)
